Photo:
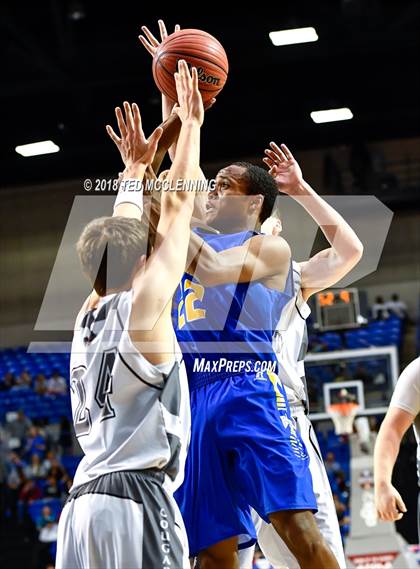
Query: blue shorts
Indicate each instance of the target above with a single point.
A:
(245, 451)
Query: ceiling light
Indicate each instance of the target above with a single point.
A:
(332, 115)
(37, 148)
(297, 35)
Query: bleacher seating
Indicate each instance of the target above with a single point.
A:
(16, 360)
(35, 406)
(387, 332)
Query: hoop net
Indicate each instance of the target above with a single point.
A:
(343, 415)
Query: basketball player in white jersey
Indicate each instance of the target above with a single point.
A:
(404, 411)
(129, 391)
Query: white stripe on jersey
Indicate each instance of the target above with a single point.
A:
(289, 342)
(128, 414)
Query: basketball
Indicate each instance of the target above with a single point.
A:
(200, 50)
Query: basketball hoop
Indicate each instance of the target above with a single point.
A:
(343, 415)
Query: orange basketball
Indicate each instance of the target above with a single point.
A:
(200, 50)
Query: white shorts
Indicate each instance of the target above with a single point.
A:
(271, 544)
(139, 528)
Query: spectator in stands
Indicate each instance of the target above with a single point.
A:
(36, 468)
(65, 439)
(397, 307)
(8, 382)
(48, 461)
(342, 373)
(17, 428)
(41, 386)
(46, 517)
(47, 528)
(30, 491)
(57, 384)
(342, 483)
(68, 483)
(52, 489)
(3, 472)
(340, 508)
(56, 471)
(23, 381)
(331, 465)
(14, 483)
(379, 309)
(36, 443)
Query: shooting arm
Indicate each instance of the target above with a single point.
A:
(330, 265)
(260, 257)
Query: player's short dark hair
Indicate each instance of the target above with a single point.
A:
(259, 181)
(116, 240)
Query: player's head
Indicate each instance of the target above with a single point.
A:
(111, 251)
(244, 196)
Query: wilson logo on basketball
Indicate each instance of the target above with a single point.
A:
(210, 79)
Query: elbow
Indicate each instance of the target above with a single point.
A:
(354, 254)
(209, 272)
(205, 274)
(358, 251)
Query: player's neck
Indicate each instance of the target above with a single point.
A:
(233, 226)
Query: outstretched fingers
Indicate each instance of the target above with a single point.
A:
(116, 139)
(137, 120)
(121, 124)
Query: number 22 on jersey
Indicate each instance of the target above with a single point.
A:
(189, 309)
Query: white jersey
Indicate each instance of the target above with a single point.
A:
(290, 342)
(407, 397)
(128, 414)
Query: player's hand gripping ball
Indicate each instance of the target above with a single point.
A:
(199, 49)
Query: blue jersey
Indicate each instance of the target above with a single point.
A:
(226, 328)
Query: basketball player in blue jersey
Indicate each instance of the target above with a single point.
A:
(243, 439)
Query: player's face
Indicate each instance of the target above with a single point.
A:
(228, 204)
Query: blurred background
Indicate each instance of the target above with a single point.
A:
(66, 65)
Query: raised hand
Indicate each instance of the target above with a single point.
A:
(132, 143)
(283, 168)
(189, 97)
(150, 42)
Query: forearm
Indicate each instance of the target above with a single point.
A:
(337, 231)
(258, 258)
(167, 106)
(179, 195)
(386, 451)
(129, 200)
(186, 165)
(171, 127)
